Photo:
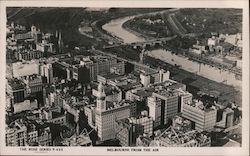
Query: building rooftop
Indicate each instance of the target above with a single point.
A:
(144, 92)
(63, 64)
(57, 114)
(23, 62)
(173, 137)
(18, 124)
(112, 76)
(170, 84)
(180, 123)
(99, 58)
(130, 86)
(94, 59)
(115, 105)
(144, 141)
(62, 56)
(108, 89)
(200, 105)
(165, 92)
(166, 88)
(139, 117)
(16, 84)
(33, 77)
(124, 122)
(82, 139)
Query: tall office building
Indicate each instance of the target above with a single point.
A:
(17, 89)
(34, 83)
(112, 93)
(184, 97)
(46, 70)
(226, 118)
(164, 76)
(127, 130)
(145, 79)
(107, 113)
(100, 101)
(144, 124)
(204, 119)
(163, 104)
(89, 112)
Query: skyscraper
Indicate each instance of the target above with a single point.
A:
(204, 119)
(46, 70)
(163, 104)
(107, 113)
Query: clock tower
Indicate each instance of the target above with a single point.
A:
(101, 101)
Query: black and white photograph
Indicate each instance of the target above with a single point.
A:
(124, 78)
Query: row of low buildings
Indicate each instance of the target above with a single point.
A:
(22, 90)
(27, 45)
(86, 69)
(229, 48)
(28, 133)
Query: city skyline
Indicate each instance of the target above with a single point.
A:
(124, 77)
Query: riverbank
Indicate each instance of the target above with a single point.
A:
(126, 27)
(128, 33)
(99, 24)
(182, 43)
(204, 70)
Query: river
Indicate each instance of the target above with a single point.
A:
(115, 28)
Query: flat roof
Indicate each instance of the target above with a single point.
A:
(16, 84)
(130, 86)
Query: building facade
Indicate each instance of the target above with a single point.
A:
(204, 119)
(163, 105)
(46, 71)
(16, 134)
(28, 55)
(107, 114)
(127, 130)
